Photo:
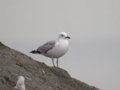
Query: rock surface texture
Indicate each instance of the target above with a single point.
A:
(38, 76)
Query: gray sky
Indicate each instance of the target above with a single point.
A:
(94, 27)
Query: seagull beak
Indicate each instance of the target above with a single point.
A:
(68, 37)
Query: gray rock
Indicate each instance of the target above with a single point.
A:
(38, 76)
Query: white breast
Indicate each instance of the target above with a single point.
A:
(61, 47)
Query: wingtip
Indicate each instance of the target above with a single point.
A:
(32, 51)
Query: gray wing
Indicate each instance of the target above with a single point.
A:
(46, 47)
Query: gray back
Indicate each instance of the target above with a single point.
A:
(46, 47)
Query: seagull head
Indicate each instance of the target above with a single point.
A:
(20, 83)
(63, 35)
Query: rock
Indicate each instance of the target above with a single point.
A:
(38, 76)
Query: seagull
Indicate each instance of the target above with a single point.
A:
(54, 49)
(20, 84)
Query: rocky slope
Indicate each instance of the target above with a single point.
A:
(38, 76)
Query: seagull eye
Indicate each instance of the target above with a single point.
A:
(62, 35)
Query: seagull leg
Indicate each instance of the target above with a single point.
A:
(53, 62)
(57, 62)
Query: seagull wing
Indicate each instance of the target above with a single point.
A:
(46, 47)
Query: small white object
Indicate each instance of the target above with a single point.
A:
(20, 84)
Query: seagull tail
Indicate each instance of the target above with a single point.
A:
(35, 51)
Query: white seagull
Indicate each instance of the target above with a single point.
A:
(20, 84)
(54, 49)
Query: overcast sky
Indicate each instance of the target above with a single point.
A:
(94, 27)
